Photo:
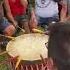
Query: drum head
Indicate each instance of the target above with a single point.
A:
(28, 47)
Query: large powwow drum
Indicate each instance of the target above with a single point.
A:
(29, 52)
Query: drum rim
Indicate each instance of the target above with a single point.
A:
(37, 60)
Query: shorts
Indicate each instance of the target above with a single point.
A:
(3, 24)
(21, 18)
(47, 20)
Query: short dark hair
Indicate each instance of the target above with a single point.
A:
(59, 45)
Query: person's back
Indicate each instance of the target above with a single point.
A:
(59, 45)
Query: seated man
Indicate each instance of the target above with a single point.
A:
(46, 11)
(16, 11)
(5, 27)
(59, 45)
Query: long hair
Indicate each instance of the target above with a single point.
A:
(59, 45)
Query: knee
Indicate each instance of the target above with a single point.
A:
(10, 30)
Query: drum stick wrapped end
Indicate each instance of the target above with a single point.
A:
(37, 31)
(3, 53)
(13, 38)
(18, 62)
(10, 37)
(42, 58)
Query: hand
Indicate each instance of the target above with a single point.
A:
(68, 18)
(65, 19)
(34, 22)
(15, 23)
(47, 32)
(34, 18)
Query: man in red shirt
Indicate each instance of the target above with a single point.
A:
(5, 27)
(16, 13)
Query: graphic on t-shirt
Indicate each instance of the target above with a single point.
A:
(43, 3)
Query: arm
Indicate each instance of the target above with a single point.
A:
(8, 12)
(24, 3)
(34, 21)
(33, 14)
(63, 12)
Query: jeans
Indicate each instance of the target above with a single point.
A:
(46, 21)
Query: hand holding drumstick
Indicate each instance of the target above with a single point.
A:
(40, 31)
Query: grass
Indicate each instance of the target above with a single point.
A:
(2, 59)
(4, 67)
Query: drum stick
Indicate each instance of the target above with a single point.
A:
(42, 58)
(3, 53)
(8, 36)
(21, 29)
(38, 31)
(17, 64)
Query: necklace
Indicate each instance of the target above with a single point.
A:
(42, 3)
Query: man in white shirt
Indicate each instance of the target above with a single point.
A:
(46, 11)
